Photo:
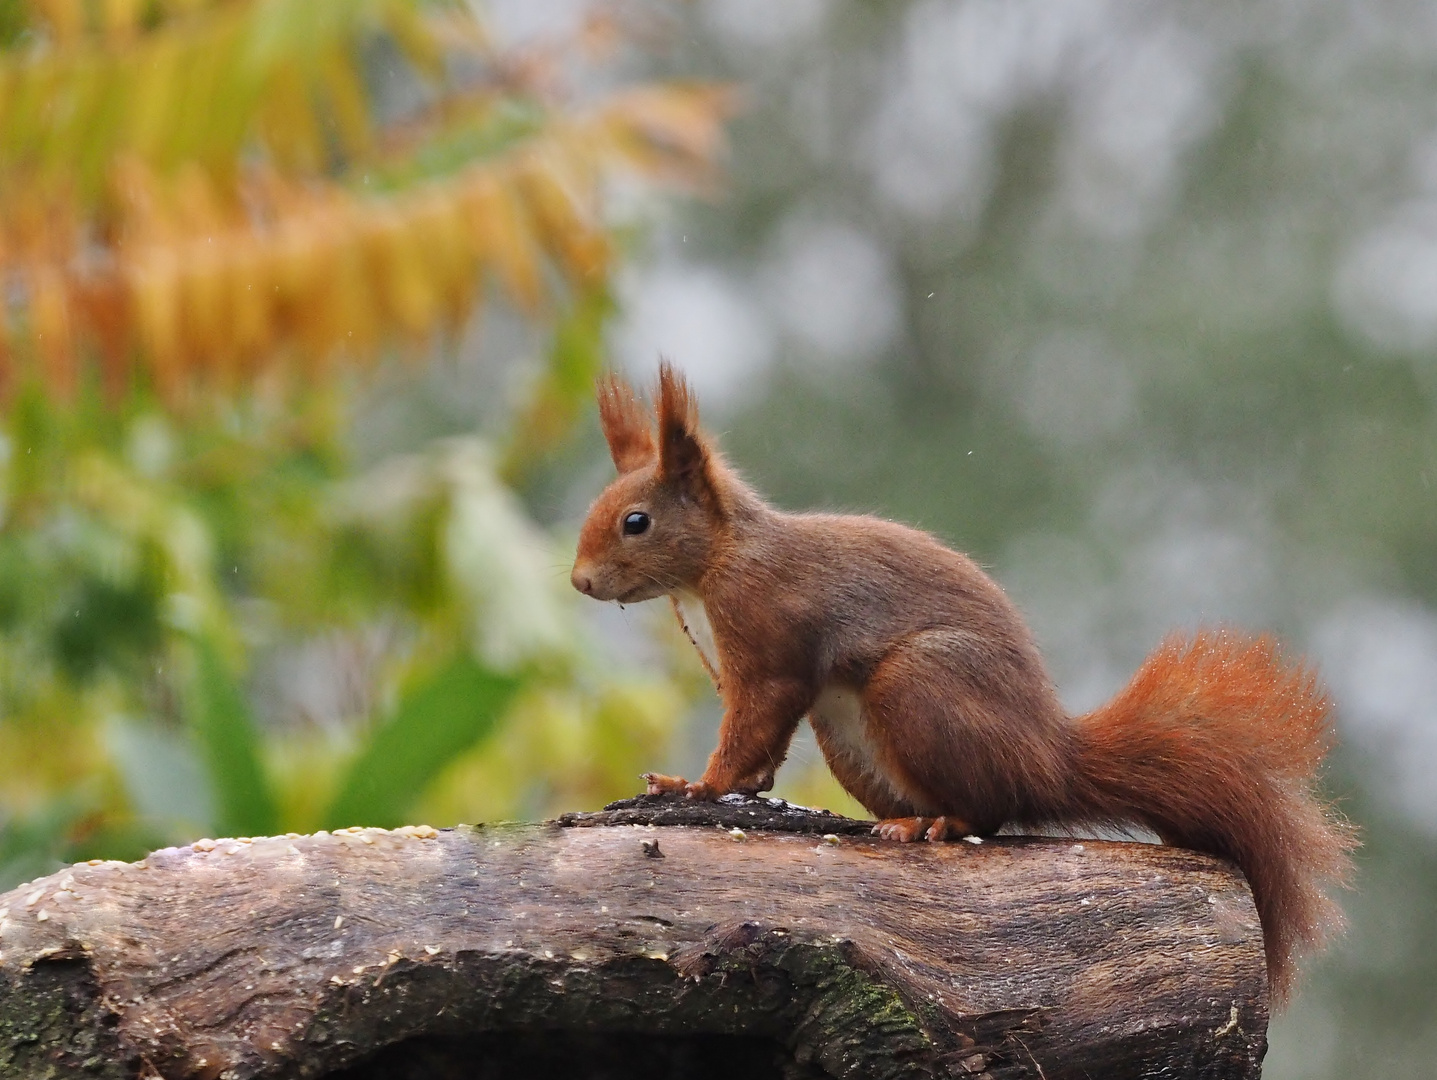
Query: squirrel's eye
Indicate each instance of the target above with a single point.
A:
(636, 523)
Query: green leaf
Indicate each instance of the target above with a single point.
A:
(487, 132)
(162, 775)
(578, 353)
(576, 358)
(229, 745)
(434, 723)
(36, 844)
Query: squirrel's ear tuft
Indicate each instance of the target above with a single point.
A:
(683, 454)
(626, 424)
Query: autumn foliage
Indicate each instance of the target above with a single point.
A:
(203, 191)
(211, 212)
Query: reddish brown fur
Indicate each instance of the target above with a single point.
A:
(625, 423)
(927, 694)
(1214, 744)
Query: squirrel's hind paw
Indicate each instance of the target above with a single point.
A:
(908, 829)
(903, 829)
(947, 827)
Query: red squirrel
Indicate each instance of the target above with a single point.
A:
(926, 691)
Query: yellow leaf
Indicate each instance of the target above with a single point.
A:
(253, 296)
(351, 318)
(296, 270)
(414, 36)
(151, 88)
(347, 98)
(674, 132)
(153, 285)
(119, 18)
(66, 18)
(502, 235)
(288, 121)
(572, 235)
(438, 224)
(397, 271)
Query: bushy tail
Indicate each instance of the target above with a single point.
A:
(1215, 745)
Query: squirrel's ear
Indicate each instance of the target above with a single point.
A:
(626, 424)
(683, 454)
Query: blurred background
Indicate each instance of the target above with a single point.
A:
(303, 300)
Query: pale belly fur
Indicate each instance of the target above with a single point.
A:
(837, 715)
(839, 721)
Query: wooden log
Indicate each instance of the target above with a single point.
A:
(752, 938)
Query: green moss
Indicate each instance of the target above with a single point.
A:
(49, 1028)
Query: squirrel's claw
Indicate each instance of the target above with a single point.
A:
(947, 827)
(908, 829)
(903, 829)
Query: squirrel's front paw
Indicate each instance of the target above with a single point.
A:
(659, 784)
(701, 792)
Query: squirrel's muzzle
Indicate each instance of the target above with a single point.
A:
(582, 581)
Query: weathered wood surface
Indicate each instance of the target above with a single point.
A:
(640, 950)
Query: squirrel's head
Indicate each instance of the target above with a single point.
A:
(650, 531)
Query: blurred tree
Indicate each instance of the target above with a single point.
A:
(211, 211)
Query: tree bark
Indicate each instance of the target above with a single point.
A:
(657, 938)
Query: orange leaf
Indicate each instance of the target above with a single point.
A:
(51, 328)
(153, 285)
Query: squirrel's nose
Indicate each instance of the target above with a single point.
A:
(582, 582)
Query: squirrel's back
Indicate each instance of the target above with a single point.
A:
(866, 583)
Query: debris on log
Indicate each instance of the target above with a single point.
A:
(656, 938)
